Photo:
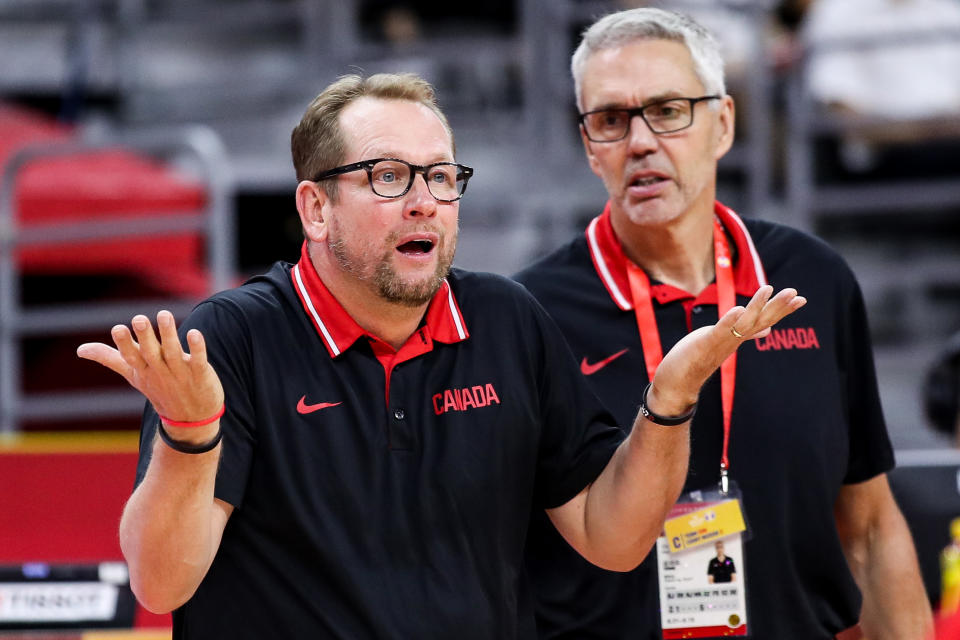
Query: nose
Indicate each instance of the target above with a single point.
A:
(640, 138)
(419, 200)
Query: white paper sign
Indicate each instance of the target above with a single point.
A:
(57, 601)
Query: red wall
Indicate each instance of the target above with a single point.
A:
(61, 500)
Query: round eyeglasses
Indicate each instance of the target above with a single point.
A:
(392, 178)
(662, 116)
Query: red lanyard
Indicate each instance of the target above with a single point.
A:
(650, 335)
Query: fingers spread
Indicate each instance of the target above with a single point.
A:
(128, 349)
(698, 354)
(782, 305)
(761, 297)
(180, 385)
(106, 356)
(170, 347)
(755, 308)
(761, 313)
(198, 351)
(149, 345)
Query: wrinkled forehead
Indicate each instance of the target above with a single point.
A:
(394, 128)
(638, 72)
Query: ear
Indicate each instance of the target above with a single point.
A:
(313, 205)
(591, 158)
(725, 126)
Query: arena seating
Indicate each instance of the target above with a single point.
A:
(70, 206)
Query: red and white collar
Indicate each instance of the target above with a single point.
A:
(443, 321)
(610, 261)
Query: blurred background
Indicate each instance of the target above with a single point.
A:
(144, 149)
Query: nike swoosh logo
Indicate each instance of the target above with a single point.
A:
(589, 369)
(304, 408)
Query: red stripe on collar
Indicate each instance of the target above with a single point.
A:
(610, 262)
(443, 321)
(748, 273)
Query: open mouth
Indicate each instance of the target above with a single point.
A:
(420, 246)
(646, 181)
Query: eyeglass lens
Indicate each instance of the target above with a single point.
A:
(661, 117)
(390, 179)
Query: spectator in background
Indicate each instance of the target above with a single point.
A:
(471, 73)
(895, 60)
(941, 391)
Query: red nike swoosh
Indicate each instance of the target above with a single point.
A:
(304, 408)
(588, 369)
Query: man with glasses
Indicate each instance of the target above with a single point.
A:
(353, 444)
(791, 429)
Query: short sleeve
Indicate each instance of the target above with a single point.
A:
(228, 350)
(579, 436)
(871, 452)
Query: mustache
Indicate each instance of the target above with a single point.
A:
(419, 228)
(395, 236)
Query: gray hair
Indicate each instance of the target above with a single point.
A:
(622, 28)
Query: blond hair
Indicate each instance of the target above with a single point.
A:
(317, 142)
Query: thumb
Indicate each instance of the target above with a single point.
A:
(106, 356)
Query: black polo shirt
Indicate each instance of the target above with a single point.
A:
(721, 570)
(806, 419)
(384, 494)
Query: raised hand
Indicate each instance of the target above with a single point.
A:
(695, 357)
(180, 386)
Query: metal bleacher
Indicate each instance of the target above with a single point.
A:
(106, 226)
(210, 221)
(209, 90)
(808, 120)
(245, 70)
(900, 233)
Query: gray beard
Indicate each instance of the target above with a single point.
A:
(386, 280)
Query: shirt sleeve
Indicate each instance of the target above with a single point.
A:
(871, 452)
(579, 436)
(228, 351)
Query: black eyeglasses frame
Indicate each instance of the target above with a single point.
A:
(464, 172)
(632, 112)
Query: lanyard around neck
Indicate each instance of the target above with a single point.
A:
(650, 334)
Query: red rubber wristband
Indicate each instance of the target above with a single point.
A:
(198, 423)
